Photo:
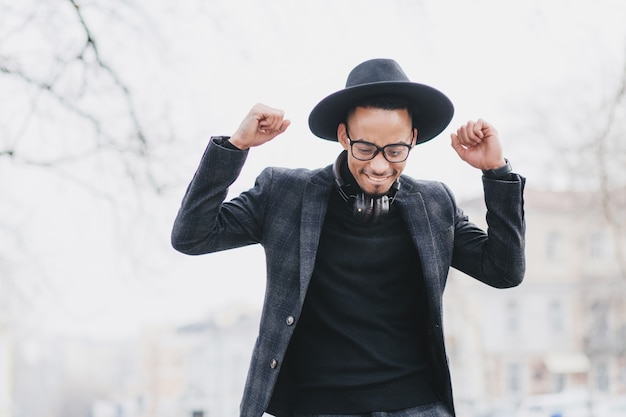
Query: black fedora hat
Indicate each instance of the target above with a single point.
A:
(432, 110)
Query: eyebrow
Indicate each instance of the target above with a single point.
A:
(371, 143)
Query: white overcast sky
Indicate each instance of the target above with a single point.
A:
(90, 266)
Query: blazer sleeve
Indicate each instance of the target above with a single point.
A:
(205, 222)
(497, 256)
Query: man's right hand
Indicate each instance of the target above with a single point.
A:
(261, 125)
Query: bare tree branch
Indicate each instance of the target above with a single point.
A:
(48, 86)
(64, 101)
(132, 148)
(612, 196)
(91, 44)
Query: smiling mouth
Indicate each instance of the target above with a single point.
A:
(377, 179)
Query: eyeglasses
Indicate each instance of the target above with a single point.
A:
(366, 151)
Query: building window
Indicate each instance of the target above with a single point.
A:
(512, 317)
(554, 247)
(556, 316)
(558, 382)
(598, 245)
(197, 413)
(602, 377)
(514, 378)
(600, 319)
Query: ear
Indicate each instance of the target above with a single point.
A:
(342, 136)
(414, 139)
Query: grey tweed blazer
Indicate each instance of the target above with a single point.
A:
(284, 212)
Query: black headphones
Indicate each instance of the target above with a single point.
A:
(366, 208)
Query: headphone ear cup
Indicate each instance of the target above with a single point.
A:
(380, 209)
(361, 208)
(370, 210)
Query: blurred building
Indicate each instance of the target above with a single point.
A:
(218, 362)
(68, 376)
(564, 328)
(196, 370)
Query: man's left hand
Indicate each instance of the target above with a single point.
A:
(478, 144)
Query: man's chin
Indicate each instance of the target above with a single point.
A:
(375, 193)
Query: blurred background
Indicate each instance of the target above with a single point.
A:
(107, 105)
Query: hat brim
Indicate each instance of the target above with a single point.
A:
(433, 110)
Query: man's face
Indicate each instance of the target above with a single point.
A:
(382, 128)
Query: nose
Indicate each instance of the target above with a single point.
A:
(379, 164)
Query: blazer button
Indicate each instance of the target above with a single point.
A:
(290, 320)
(273, 364)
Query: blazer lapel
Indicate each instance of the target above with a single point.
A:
(314, 206)
(415, 214)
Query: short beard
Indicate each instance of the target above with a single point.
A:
(375, 196)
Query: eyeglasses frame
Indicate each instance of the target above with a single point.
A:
(379, 149)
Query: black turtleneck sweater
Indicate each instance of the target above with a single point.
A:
(360, 341)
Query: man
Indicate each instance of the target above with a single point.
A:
(357, 254)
